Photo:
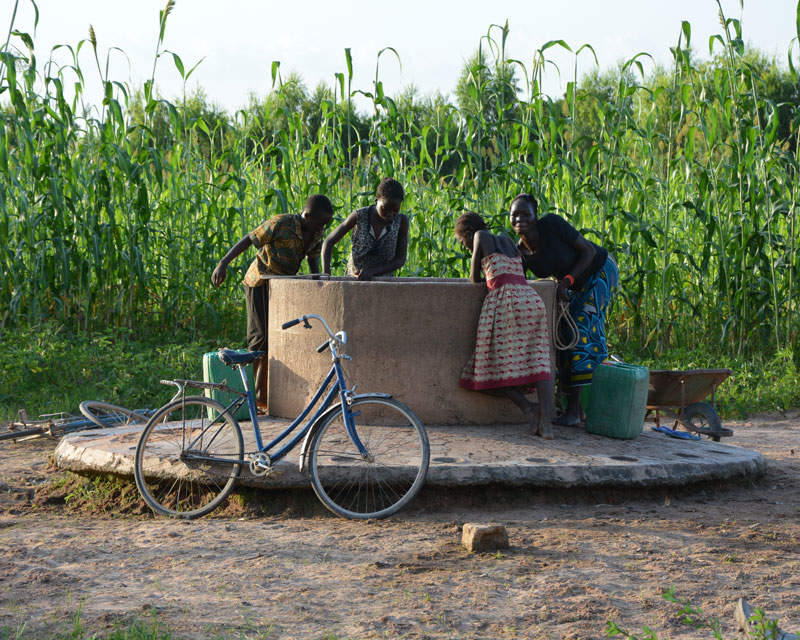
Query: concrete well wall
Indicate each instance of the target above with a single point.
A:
(407, 336)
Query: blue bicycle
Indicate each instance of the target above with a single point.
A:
(367, 455)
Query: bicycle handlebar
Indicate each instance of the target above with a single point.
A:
(305, 319)
(335, 338)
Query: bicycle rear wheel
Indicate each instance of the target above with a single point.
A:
(390, 475)
(110, 415)
(188, 457)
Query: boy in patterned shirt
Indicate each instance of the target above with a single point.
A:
(282, 243)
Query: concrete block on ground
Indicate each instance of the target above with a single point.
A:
(484, 537)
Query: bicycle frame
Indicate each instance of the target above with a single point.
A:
(335, 379)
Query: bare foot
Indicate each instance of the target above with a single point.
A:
(545, 429)
(533, 421)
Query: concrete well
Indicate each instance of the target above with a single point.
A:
(409, 337)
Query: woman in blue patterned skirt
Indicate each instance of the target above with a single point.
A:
(587, 278)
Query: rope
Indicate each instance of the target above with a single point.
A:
(562, 313)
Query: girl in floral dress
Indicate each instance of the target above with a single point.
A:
(512, 348)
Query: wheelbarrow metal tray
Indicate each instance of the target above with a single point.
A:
(681, 388)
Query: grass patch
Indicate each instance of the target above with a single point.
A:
(122, 630)
(98, 494)
(49, 368)
(110, 495)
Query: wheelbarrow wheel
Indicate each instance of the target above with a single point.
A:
(701, 417)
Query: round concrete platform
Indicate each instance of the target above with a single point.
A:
(464, 456)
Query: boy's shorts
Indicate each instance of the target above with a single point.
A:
(257, 301)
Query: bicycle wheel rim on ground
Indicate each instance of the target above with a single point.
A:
(170, 479)
(104, 414)
(388, 480)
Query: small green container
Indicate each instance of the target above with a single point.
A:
(215, 370)
(618, 401)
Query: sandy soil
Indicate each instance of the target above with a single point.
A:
(576, 560)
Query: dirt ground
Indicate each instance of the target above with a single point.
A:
(280, 567)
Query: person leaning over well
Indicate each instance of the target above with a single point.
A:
(380, 235)
(587, 278)
(282, 243)
(512, 346)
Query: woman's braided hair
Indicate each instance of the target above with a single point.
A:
(391, 190)
(468, 222)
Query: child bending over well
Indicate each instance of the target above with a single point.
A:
(380, 238)
(282, 243)
(512, 348)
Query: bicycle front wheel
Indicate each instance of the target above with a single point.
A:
(386, 478)
(110, 415)
(188, 457)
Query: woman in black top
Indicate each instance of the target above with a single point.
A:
(587, 278)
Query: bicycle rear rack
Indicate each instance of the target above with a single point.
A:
(199, 384)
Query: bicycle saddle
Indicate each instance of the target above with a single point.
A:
(232, 358)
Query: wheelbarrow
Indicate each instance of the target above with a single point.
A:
(680, 395)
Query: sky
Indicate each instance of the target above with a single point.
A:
(238, 40)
